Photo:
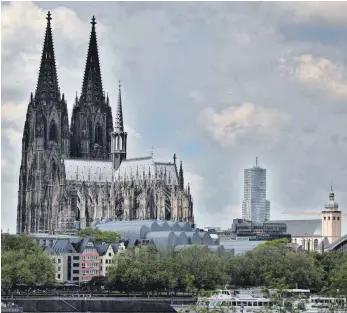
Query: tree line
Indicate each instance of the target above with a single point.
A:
(194, 268)
(270, 265)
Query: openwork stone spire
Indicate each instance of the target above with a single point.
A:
(181, 176)
(47, 85)
(92, 83)
(119, 126)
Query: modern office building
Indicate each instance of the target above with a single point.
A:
(255, 207)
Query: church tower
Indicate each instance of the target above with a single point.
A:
(119, 136)
(45, 141)
(331, 219)
(91, 121)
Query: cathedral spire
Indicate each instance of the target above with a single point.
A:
(119, 127)
(92, 72)
(47, 84)
(181, 178)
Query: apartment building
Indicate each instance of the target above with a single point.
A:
(66, 259)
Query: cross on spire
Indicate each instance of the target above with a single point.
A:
(49, 17)
(93, 22)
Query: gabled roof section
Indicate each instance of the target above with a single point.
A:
(102, 248)
(87, 242)
(303, 228)
(47, 85)
(64, 246)
(92, 83)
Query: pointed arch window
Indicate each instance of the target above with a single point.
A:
(54, 171)
(98, 134)
(90, 129)
(53, 131)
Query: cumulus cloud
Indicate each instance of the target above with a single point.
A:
(322, 73)
(193, 60)
(315, 11)
(10, 111)
(236, 123)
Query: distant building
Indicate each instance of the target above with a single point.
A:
(255, 207)
(242, 229)
(67, 261)
(331, 219)
(315, 234)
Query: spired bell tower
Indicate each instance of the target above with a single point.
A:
(119, 136)
(45, 141)
(331, 219)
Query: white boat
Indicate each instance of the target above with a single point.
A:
(242, 302)
(317, 304)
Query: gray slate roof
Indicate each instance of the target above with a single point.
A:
(64, 246)
(145, 165)
(88, 170)
(302, 228)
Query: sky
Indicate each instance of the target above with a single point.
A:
(217, 83)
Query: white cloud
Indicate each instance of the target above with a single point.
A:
(235, 123)
(323, 73)
(332, 12)
(13, 136)
(10, 111)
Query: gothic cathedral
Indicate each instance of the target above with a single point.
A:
(73, 177)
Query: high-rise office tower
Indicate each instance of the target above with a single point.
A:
(255, 207)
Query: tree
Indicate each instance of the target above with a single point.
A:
(24, 262)
(98, 235)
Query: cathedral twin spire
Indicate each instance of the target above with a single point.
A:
(47, 85)
(92, 84)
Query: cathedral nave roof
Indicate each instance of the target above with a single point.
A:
(88, 170)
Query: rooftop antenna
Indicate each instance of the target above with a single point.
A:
(152, 152)
(256, 161)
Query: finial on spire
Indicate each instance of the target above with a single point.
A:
(256, 161)
(48, 18)
(119, 85)
(174, 158)
(93, 22)
(152, 152)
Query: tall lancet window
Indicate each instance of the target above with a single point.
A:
(53, 132)
(98, 134)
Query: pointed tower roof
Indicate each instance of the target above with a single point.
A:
(181, 177)
(331, 204)
(119, 126)
(92, 83)
(47, 84)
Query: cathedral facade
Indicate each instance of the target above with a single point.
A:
(73, 176)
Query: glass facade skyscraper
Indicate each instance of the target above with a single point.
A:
(255, 207)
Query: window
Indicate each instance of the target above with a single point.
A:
(328, 218)
(109, 254)
(325, 218)
(76, 258)
(75, 264)
(75, 272)
(58, 276)
(334, 218)
(59, 260)
(59, 268)
(338, 218)
(53, 132)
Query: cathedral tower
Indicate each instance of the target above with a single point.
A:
(91, 121)
(119, 137)
(331, 219)
(45, 140)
